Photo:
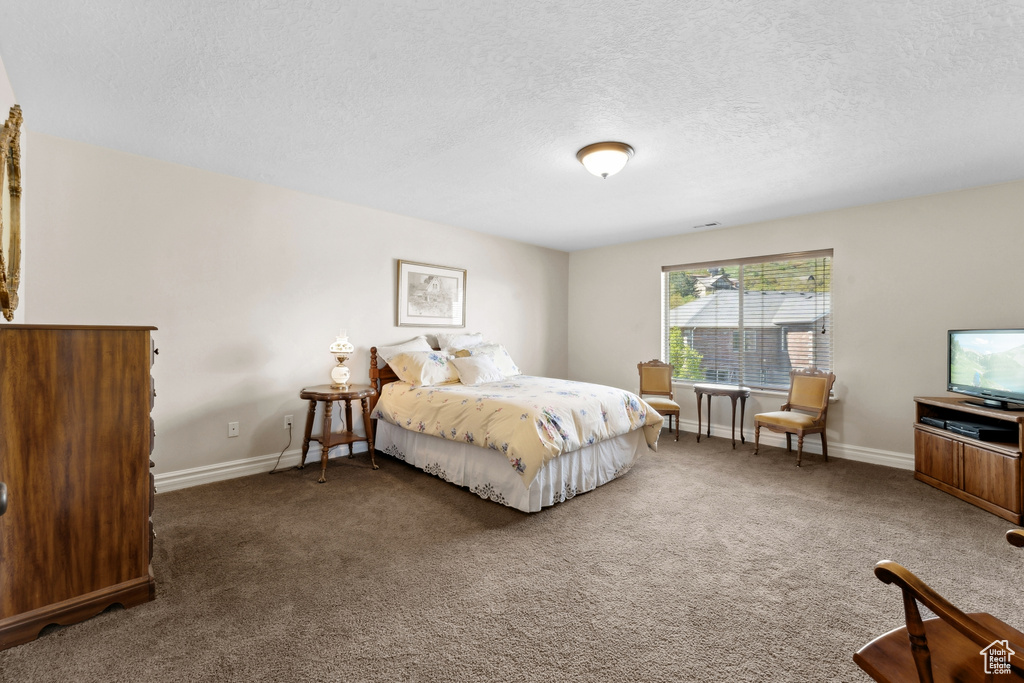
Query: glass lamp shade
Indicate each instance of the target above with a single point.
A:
(605, 158)
(341, 349)
(342, 344)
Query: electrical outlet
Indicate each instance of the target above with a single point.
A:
(287, 421)
(232, 429)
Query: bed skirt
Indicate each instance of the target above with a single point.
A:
(489, 475)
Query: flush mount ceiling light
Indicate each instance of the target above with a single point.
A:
(605, 158)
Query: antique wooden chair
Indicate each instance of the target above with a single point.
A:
(804, 412)
(656, 389)
(948, 647)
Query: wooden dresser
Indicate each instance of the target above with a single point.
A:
(75, 441)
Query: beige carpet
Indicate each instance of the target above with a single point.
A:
(700, 564)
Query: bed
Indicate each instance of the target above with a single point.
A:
(522, 441)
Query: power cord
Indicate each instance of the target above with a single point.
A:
(276, 464)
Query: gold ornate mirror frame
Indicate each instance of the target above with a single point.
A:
(10, 212)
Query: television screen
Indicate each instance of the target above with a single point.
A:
(987, 363)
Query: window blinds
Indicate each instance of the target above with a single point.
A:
(748, 321)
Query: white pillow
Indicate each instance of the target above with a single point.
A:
(497, 353)
(386, 353)
(477, 370)
(424, 368)
(457, 340)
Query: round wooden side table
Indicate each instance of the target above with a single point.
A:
(328, 394)
(733, 392)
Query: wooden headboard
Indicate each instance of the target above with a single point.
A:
(379, 376)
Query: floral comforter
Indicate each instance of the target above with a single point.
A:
(530, 420)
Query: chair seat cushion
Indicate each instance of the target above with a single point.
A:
(663, 405)
(786, 418)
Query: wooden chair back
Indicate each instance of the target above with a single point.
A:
(809, 391)
(655, 378)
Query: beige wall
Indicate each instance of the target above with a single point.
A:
(249, 284)
(7, 99)
(904, 273)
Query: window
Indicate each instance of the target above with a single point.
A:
(749, 339)
(748, 321)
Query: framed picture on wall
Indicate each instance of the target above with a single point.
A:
(10, 212)
(430, 296)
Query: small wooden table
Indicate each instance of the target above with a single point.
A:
(329, 393)
(732, 391)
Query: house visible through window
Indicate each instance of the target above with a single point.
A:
(749, 340)
(748, 321)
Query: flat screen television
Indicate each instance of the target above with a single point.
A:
(988, 365)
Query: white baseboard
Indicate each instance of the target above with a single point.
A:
(207, 474)
(874, 456)
(902, 461)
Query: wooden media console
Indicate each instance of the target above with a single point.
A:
(984, 473)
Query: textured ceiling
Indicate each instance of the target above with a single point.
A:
(470, 112)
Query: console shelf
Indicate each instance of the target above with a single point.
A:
(984, 473)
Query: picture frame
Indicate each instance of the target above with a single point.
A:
(10, 212)
(430, 296)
